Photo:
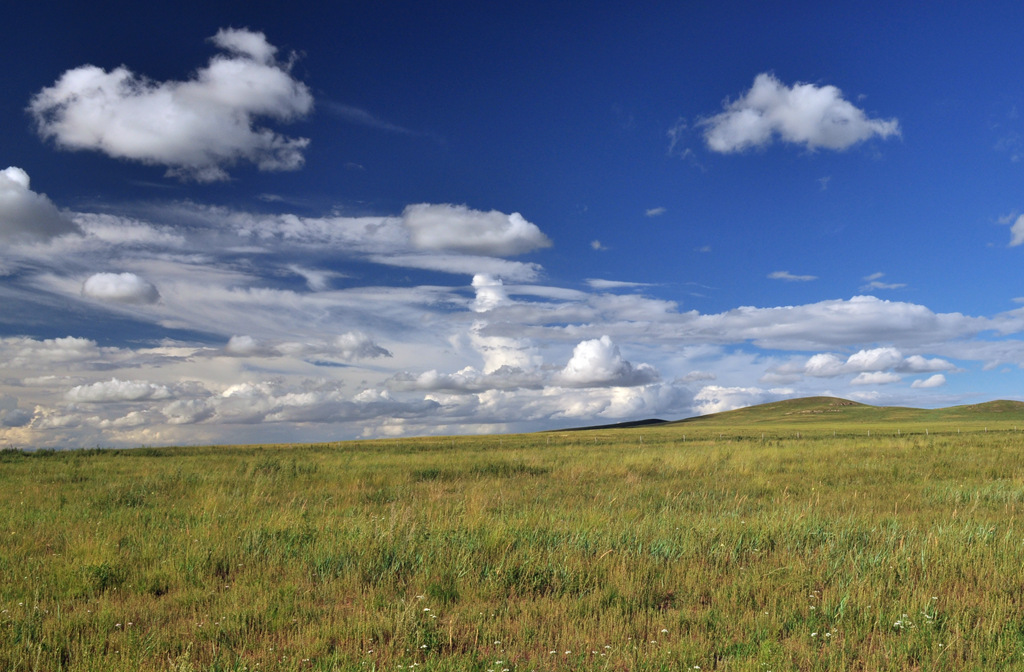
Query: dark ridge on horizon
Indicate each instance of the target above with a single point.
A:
(823, 406)
(615, 425)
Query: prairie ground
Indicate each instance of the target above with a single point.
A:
(675, 547)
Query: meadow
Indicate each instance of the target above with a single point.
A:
(806, 541)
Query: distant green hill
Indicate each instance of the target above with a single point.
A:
(819, 412)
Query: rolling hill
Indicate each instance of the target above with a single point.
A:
(834, 411)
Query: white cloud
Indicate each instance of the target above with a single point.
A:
(875, 378)
(462, 264)
(825, 365)
(120, 287)
(115, 390)
(600, 284)
(502, 352)
(1017, 232)
(195, 128)
(717, 399)
(316, 280)
(676, 135)
(816, 326)
(655, 212)
(874, 282)
(493, 355)
(804, 114)
(245, 43)
(457, 228)
(187, 411)
(43, 355)
(598, 362)
(26, 216)
(354, 345)
(363, 118)
(875, 359)
(348, 347)
(873, 365)
(919, 364)
(786, 275)
(246, 346)
(490, 293)
(469, 379)
(938, 380)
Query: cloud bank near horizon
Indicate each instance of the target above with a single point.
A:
(489, 346)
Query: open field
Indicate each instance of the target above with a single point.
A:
(778, 539)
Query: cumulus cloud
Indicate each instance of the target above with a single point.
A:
(11, 415)
(187, 411)
(115, 390)
(247, 346)
(598, 362)
(457, 228)
(938, 380)
(875, 359)
(786, 275)
(717, 399)
(26, 216)
(804, 114)
(870, 364)
(43, 355)
(490, 293)
(195, 128)
(121, 288)
(919, 364)
(824, 365)
(355, 345)
(836, 322)
(875, 378)
(1017, 232)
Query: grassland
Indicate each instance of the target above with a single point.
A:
(783, 538)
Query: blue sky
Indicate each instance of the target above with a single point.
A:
(226, 223)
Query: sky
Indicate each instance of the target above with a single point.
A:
(227, 222)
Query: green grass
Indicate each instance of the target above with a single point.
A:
(663, 548)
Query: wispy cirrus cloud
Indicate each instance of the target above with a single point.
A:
(874, 281)
(790, 277)
(357, 115)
